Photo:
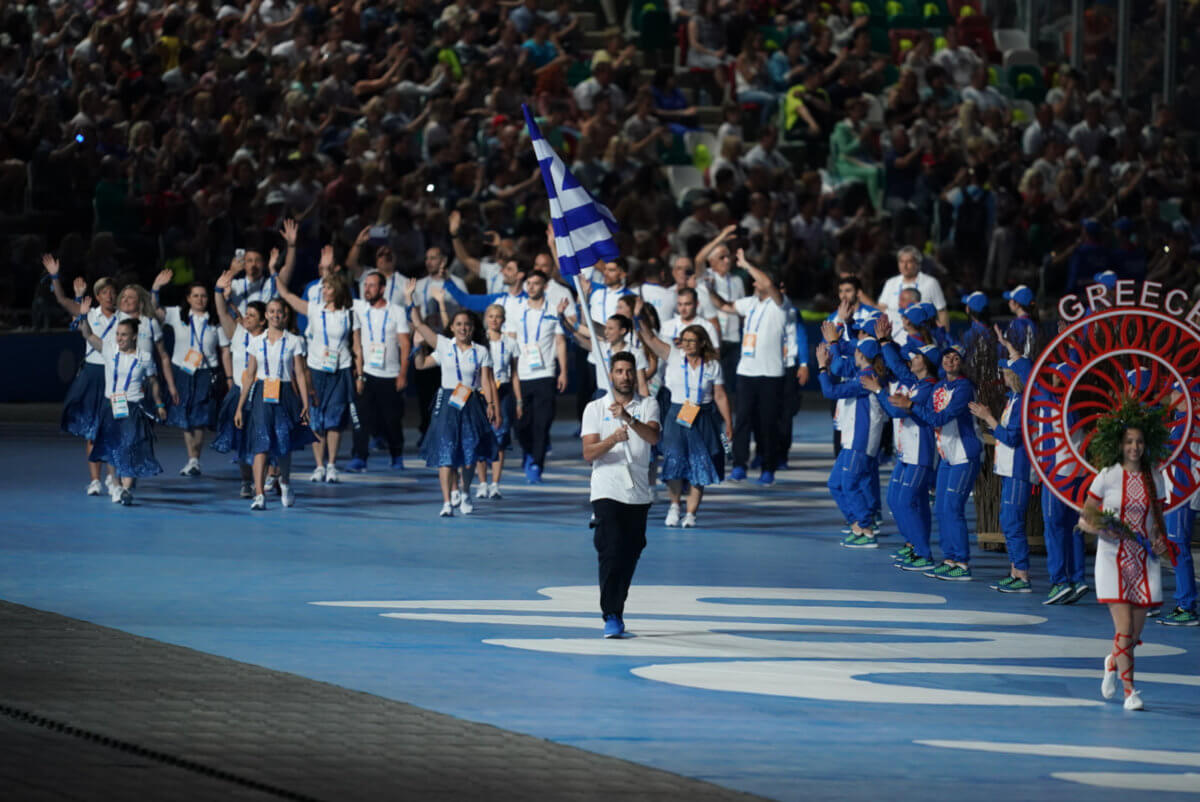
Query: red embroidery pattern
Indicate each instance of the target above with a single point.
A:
(1136, 502)
(941, 398)
(1133, 585)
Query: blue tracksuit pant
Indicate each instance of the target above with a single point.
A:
(911, 505)
(1014, 502)
(1179, 530)
(849, 484)
(954, 486)
(1064, 543)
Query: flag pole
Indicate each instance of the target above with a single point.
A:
(597, 338)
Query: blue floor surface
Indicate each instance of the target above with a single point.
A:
(767, 659)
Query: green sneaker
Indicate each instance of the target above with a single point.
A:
(915, 563)
(903, 554)
(861, 542)
(954, 573)
(1180, 617)
(937, 572)
(1078, 591)
(1017, 586)
(1059, 592)
(1003, 583)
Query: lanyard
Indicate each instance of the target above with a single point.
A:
(117, 372)
(762, 310)
(537, 337)
(325, 330)
(458, 366)
(267, 359)
(112, 322)
(687, 389)
(192, 332)
(382, 328)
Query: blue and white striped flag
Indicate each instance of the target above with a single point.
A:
(583, 227)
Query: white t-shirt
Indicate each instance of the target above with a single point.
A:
(555, 293)
(429, 307)
(242, 291)
(503, 350)
(276, 359)
(612, 475)
(393, 286)
(672, 328)
(238, 345)
(330, 330)
(149, 332)
(602, 366)
(200, 335)
(378, 327)
(766, 322)
(928, 286)
(731, 288)
(661, 298)
(489, 271)
(537, 329)
(692, 383)
(126, 373)
(603, 303)
(461, 365)
(103, 327)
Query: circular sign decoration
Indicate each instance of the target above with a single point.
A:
(1084, 374)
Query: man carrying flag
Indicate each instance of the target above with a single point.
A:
(619, 429)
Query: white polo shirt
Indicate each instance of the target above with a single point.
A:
(731, 288)
(612, 476)
(927, 285)
(381, 326)
(538, 329)
(672, 328)
(200, 334)
(767, 321)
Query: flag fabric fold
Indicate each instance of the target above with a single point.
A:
(583, 227)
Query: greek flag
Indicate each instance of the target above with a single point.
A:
(583, 227)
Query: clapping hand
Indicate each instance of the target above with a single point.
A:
(823, 355)
(870, 383)
(829, 330)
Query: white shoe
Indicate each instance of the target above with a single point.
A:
(331, 474)
(247, 490)
(115, 493)
(1133, 701)
(464, 505)
(455, 498)
(94, 487)
(318, 474)
(192, 468)
(286, 496)
(482, 490)
(271, 484)
(689, 521)
(493, 490)
(109, 483)
(672, 515)
(259, 503)
(126, 499)
(1108, 688)
(447, 510)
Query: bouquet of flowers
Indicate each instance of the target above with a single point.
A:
(1113, 529)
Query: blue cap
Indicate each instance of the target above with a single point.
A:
(915, 314)
(1092, 227)
(956, 348)
(976, 301)
(931, 311)
(1108, 278)
(869, 347)
(1021, 294)
(930, 352)
(866, 323)
(1123, 224)
(1020, 366)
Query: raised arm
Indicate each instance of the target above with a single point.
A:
(352, 265)
(224, 286)
(85, 329)
(702, 257)
(419, 325)
(460, 251)
(290, 232)
(72, 306)
(582, 334)
(649, 337)
(760, 277)
(161, 280)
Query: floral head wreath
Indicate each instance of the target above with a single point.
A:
(1105, 448)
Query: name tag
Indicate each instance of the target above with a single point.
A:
(749, 344)
(120, 405)
(458, 399)
(326, 359)
(375, 356)
(533, 356)
(192, 361)
(271, 389)
(687, 414)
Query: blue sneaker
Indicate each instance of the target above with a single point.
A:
(397, 463)
(737, 475)
(357, 465)
(533, 474)
(767, 478)
(613, 626)
(526, 461)
(916, 563)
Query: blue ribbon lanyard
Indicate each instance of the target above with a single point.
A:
(458, 365)
(537, 337)
(761, 308)
(267, 359)
(687, 389)
(117, 372)
(382, 328)
(192, 335)
(325, 330)
(112, 322)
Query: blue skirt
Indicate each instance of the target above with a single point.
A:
(85, 402)
(508, 415)
(230, 437)
(694, 454)
(126, 444)
(334, 394)
(273, 429)
(458, 438)
(196, 409)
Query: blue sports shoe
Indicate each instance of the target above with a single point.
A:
(767, 478)
(533, 474)
(738, 475)
(357, 465)
(526, 461)
(613, 626)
